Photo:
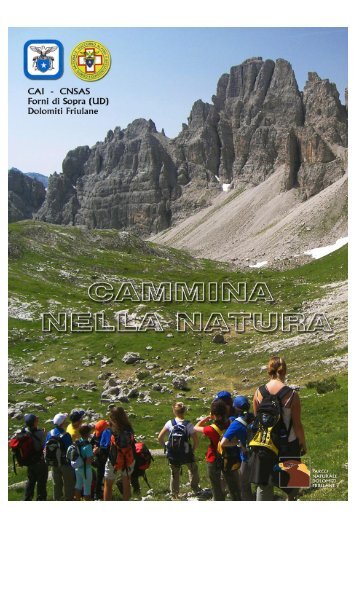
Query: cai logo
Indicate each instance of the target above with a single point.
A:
(43, 59)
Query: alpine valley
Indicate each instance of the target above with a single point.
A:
(250, 193)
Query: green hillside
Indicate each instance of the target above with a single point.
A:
(51, 268)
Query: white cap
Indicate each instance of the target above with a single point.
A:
(59, 419)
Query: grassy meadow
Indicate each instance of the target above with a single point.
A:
(50, 269)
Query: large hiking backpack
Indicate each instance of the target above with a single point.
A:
(23, 449)
(269, 430)
(227, 458)
(143, 460)
(55, 451)
(143, 457)
(178, 448)
(122, 450)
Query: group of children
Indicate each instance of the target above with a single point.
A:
(240, 451)
(225, 427)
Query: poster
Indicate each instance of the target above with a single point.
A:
(177, 218)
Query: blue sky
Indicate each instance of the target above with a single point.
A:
(156, 73)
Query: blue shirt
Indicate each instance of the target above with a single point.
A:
(56, 432)
(238, 430)
(105, 438)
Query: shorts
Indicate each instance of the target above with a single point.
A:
(83, 482)
(112, 475)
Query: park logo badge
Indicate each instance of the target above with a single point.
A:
(294, 473)
(90, 60)
(43, 59)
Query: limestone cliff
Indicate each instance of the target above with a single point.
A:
(140, 180)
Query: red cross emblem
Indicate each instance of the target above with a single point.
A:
(90, 60)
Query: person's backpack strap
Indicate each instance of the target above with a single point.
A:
(216, 428)
(60, 449)
(185, 425)
(80, 445)
(280, 394)
(38, 452)
(242, 420)
(283, 392)
(60, 437)
(174, 422)
(264, 391)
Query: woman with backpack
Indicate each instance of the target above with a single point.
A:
(287, 437)
(179, 450)
(121, 458)
(214, 432)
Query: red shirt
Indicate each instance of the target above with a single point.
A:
(214, 438)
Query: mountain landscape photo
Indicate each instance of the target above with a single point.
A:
(253, 188)
(264, 162)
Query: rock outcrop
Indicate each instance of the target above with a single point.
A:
(258, 121)
(25, 196)
(126, 182)
(322, 142)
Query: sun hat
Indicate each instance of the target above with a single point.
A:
(59, 419)
(30, 419)
(241, 403)
(76, 415)
(223, 395)
(100, 426)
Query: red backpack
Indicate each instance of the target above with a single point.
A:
(122, 450)
(143, 457)
(23, 449)
(143, 460)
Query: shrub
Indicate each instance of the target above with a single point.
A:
(324, 386)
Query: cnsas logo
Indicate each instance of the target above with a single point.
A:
(43, 59)
(90, 60)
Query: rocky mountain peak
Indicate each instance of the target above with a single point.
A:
(140, 127)
(258, 121)
(199, 114)
(324, 111)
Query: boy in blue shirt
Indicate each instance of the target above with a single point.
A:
(236, 435)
